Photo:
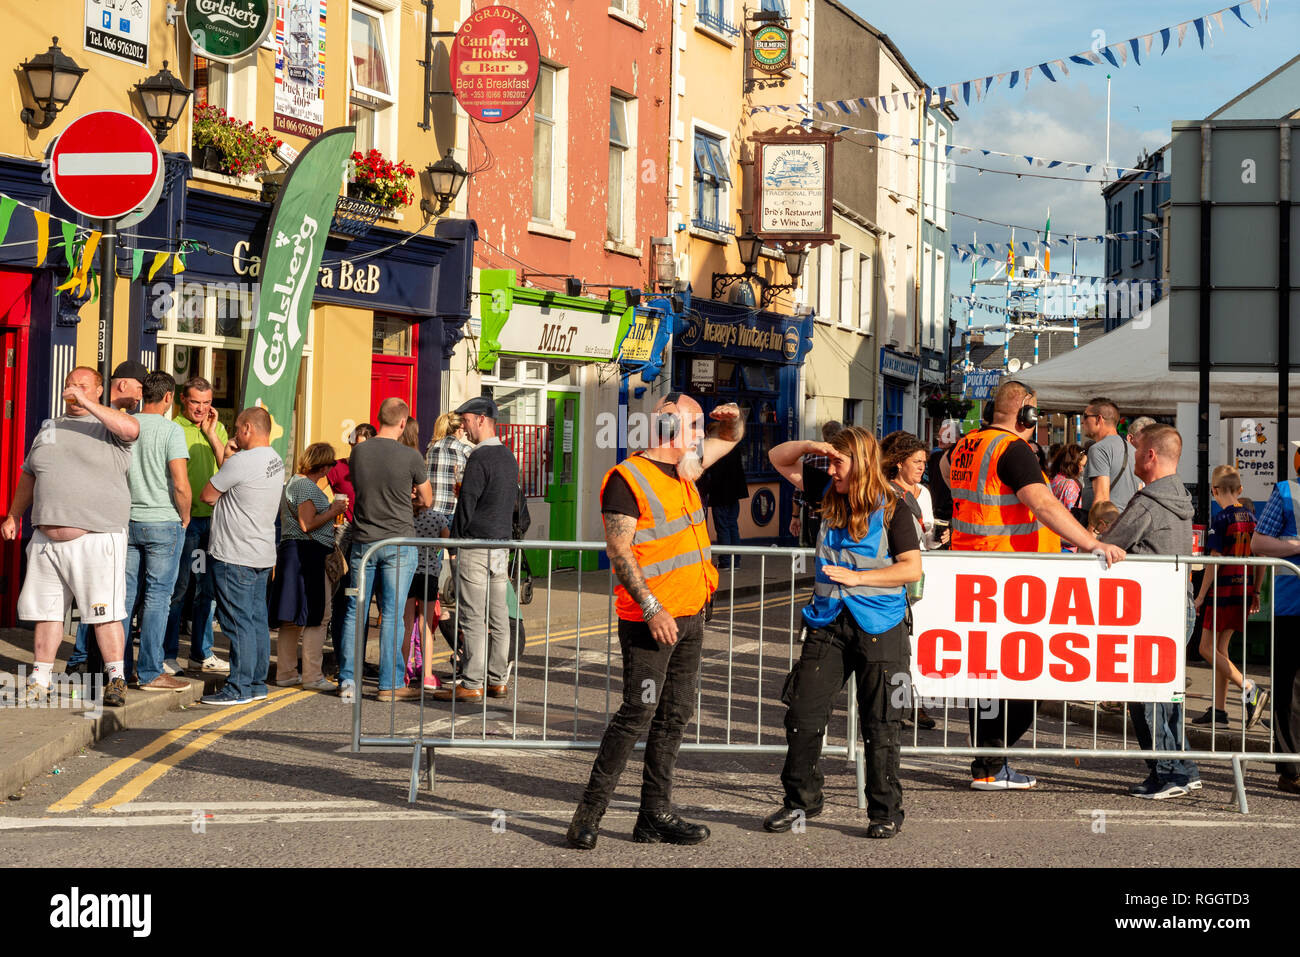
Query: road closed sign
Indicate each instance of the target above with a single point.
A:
(1054, 630)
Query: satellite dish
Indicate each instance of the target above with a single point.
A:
(1013, 366)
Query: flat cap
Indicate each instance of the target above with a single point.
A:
(130, 369)
(479, 406)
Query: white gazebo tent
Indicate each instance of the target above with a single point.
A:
(1130, 366)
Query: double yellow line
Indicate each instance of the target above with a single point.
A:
(250, 712)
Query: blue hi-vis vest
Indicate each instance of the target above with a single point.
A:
(1286, 601)
(875, 609)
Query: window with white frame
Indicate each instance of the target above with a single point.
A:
(211, 83)
(941, 184)
(824, 270)
(909, 295)
(846, 286)
(927, 295)
(712, 180)
(372, 82)
(550, 146)
(775, 6)
(894, 141)
(931, 167)
(866, 292)
(716, 16)
(940, 287)
(204, 333)
(620, 218)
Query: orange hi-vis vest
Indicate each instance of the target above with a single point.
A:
(986, 514)
(671, 542)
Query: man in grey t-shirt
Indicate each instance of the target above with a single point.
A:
(74, 480)
(1109, 475)
(245, 499)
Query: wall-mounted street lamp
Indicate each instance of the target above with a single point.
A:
(749, 245)
(796, 255)
(52, 77)
(163, 98)
(446, 177)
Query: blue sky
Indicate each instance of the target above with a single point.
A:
(1066, 120)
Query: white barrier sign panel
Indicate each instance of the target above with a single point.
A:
(1054, 630)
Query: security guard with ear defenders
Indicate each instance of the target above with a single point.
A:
(658, 546)
(1001, 502)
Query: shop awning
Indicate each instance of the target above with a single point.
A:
(1130, 366)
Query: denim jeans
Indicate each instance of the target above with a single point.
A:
(196, 540)
(241, 603)
(659, 694)
(1161, 723)
(388, 577)
(152, 550)
(152, 561)
(726, 521)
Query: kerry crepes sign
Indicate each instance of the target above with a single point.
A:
(793, 185)
(227, 30)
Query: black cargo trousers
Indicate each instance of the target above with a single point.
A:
(880, 664)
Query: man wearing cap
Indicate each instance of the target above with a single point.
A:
(1277, 535)
(658, 546)
(74, 481)
(485, 509)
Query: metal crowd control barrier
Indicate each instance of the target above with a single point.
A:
(739, 686)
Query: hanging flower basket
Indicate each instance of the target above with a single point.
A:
(377, 180)
(222, 144)
(353, 218)
(940, 406)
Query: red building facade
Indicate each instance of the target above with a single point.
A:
(578, 182)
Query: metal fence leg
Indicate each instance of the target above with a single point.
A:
(860, 774)
(414, 791)
(428, 770)
(1239, 778)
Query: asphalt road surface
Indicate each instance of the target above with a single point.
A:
(275, 783)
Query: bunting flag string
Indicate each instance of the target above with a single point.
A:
(964, 150)
(1030, 246)
(965, 255)
(1001, 309)
(1116, 54)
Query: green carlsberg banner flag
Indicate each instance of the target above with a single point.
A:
(295, 240)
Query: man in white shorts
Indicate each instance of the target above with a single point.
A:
(75, 481)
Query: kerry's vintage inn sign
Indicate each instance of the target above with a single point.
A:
(793, 185)
(227, 30)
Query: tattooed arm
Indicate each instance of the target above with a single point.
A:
(618, 544)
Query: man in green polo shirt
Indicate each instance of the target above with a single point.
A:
(206, 439)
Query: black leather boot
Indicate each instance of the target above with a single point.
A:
(665, 827)
(584, 827)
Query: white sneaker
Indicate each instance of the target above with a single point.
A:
(212, 665)
(347, 689)
(171, 666)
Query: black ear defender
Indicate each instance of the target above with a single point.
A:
(670, 423)
(1026, 415)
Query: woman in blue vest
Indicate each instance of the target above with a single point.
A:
(867, 552)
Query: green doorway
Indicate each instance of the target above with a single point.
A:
(562, 467)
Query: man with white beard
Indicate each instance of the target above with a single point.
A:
(658, 546)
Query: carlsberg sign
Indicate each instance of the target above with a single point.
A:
(290, 263)
(227, 29)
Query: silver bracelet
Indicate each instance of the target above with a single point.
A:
(650, 607)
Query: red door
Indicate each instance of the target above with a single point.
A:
(15, 319)
(393, 376)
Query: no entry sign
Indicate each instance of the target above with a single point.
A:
(106, 164)
(494, 64)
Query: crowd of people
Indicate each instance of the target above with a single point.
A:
(186, 515)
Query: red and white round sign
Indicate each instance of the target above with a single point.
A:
(494, 64)
(106, 164)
